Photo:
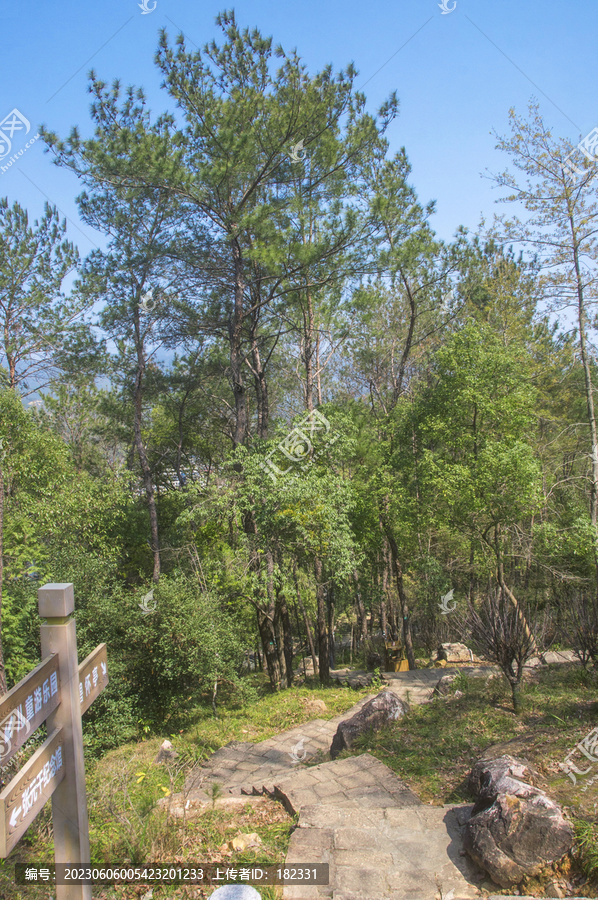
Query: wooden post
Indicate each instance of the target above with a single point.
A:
(69, 800)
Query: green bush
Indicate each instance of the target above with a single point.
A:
(158, 662)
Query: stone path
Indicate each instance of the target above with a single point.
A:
(379, 840)
(246, 768)
(384, 853)
(359, 782)
(419, 680)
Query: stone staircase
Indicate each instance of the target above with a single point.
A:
(400, 852)
(245, 768)
(379, 840)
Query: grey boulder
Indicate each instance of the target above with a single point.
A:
(515, 830)
(379, 711)
(502, 775)
(454, 653)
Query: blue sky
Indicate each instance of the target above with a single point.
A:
(456, 76)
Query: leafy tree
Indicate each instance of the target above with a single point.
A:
(46, 508)
(35, 315)
(561, 228)
(476, 471)
(126, 276)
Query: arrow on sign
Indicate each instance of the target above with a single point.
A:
(15, 815)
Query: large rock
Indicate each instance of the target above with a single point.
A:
(515, 830)
(313, 705)
(379, 711)
(454, 653)
(502, 775)
(516, 838)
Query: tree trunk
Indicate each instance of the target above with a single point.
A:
(581, 321)
(398, 571)
(268, 637)
(287, 634)
(505, 590)
(383, 613)
(516, 695)
(322, 635)
(393, 612)
(143, 460)
(235, 326)
(331, 612)
(274, 612)
(258, 370)
(318, 369)
(265, 617)
(261, 393)
(471, 573)
(308, 354)
(308, 631)
(279, 643)
(361, 616)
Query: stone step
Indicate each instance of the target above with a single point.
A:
(383, 853)
(244, 767)
(358, 781)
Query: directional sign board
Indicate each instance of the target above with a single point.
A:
(24, 796)
(93, 676)
(27, 705)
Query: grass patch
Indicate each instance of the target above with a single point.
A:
(432, 749)
(124, 787)
(267, 716)
(435, 746)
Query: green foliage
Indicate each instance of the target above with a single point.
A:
(34, 261)
(455, 456)
(586, 834)
(166, 658)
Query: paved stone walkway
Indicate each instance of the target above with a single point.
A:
(246, 768)
(380, 841)
(416, 686)
(360, 782)
(384, 853)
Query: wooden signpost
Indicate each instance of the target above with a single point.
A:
(27, 707)
(58, 691)
(93, 677)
